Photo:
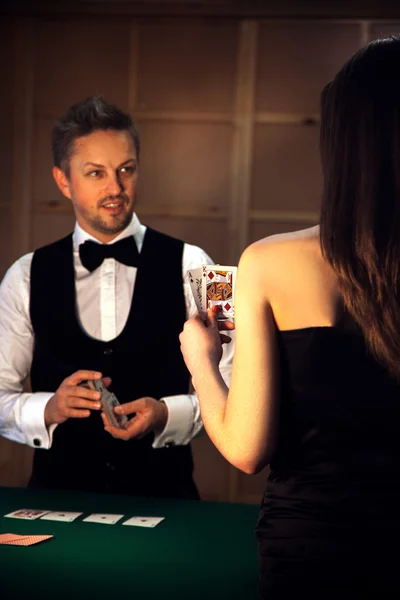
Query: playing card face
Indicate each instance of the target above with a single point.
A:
(218, 286)
(196, 281)
(143, 521)
(107, 519)
(68, 517)
(27, 513)
(108, 402)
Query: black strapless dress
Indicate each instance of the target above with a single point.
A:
(329, 524)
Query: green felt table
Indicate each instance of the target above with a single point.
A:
(201, 549)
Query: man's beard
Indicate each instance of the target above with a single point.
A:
(119, 221)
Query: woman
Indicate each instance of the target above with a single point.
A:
(315, 387)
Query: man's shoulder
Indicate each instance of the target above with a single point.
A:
(193, 256)
(65, 241)
(196, 255)
(18, 273)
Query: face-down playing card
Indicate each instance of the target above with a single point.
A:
(108, 402)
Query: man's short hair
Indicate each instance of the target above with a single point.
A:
(93, 114)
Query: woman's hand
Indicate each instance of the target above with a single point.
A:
(201, 342)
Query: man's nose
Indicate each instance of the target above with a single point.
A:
(114, 186)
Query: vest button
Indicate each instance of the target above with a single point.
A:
(108, 351)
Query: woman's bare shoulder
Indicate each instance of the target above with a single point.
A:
(295, 245)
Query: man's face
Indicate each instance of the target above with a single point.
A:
(102, 182)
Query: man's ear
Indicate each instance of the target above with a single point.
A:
(62, 182)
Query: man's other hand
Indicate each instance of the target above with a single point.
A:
(73, 400)
(149, 416)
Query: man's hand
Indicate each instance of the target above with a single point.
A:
(150, 415)
(72, 400)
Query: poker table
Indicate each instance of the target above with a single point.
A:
(201, 550)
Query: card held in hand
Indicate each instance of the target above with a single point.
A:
(108, 402)
(217, 289)
(196, 285)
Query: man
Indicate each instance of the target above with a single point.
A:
(108, 301)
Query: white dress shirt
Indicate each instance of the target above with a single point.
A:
(104, 298)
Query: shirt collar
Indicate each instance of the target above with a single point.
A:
(134, 228)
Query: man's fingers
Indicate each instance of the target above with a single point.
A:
(133, 429)
(128, 408)
(75, 413)
(136, 428)
(72, 402)
(105, 420)
(79, 391)
(225, 339)
(107, 381)
(82, 375)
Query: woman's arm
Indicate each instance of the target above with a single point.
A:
(242, 421)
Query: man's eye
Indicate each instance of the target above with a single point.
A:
(94, 174)
(127, 170)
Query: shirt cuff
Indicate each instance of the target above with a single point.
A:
(33, 425)
(179, 422)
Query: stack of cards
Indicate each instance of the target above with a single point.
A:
(108, 402)
(214, 285)
(106, 518)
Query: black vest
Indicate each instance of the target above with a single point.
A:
(144, 360)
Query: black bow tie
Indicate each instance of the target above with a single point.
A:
(125, 251)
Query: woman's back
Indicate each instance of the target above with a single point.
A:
(332, 496)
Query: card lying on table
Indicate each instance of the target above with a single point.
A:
(12, 539)
(214, 285)
(68, 517)
(144, 521)
(27, 513)
(108, 519)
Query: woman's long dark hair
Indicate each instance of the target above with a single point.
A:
(360, 216)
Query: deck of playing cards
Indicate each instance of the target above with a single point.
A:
(108, 402)
(214, 285)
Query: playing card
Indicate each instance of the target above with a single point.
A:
(108, 402)
(27, 513)
(61, 516)
(196, 279)
(107, 519)
(144, 521)
(218, 286)
(12, 539)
